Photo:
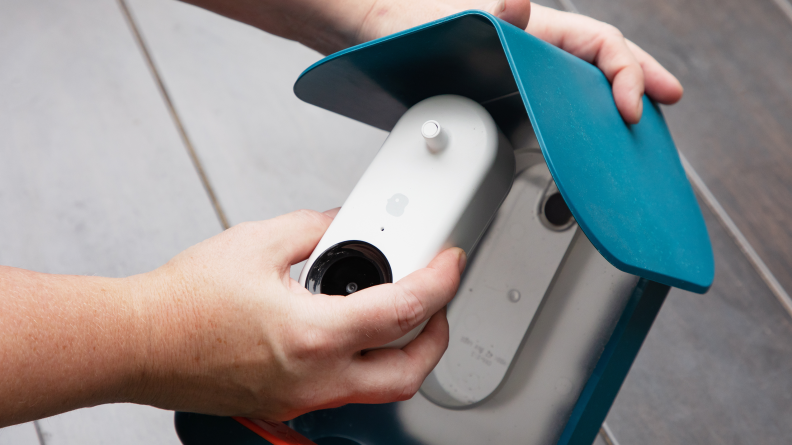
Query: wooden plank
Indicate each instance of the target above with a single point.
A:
(23, 434)
(734, 59)
(265, 151)
(94, 178)
(715, 368)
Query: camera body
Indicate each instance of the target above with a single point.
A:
(437, 182)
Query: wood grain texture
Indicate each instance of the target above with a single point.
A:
(93, 176)
(715, 368)
(734, 59)
(24, 434)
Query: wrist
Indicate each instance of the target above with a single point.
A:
(135, 380)
(325, 26)
(386, 17)
(157, 329)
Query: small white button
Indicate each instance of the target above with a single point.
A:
(430, 129)
(436, 138)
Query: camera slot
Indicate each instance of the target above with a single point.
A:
(348, 267)
(553, 210)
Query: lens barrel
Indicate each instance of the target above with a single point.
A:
(348, 267)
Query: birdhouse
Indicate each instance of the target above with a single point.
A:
(563, 287)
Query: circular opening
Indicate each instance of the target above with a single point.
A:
(347, 268)
(556, 211)
(348, 275)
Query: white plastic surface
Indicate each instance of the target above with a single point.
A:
(410, 202)
(496, 303)
(436, 138)
(553, 363)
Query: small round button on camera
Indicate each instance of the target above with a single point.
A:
(430, 129)
(436, 138)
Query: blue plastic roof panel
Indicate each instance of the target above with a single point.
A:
(624, 183)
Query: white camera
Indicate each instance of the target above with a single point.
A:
(437, 182)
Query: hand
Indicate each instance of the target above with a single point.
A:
(231, 334)
(631, 70)
(329, 26)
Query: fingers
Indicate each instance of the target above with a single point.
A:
(380, 314)
(430, 344)
(661, 85)
(625, 74)
(597, 43)
(292, 237)
(630, 70)
(516, 12)
(332, 212)
(389, 375)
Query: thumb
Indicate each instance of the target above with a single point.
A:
(293, 236)
(516, 12)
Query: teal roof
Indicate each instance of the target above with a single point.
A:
(624, 183)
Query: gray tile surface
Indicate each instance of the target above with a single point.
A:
(24, 434)
(227, 79)
(599, 440)
(265, 152)
(94, 178)
(735, 60)
(715, 368)
(117, 424)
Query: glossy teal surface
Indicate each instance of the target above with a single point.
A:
(624, 183)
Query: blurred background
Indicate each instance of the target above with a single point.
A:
(132, 129)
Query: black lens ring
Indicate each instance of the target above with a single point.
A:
(346, 249)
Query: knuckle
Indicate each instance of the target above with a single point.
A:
(309, 216)
(412, 383)
(310, 344)
(410, 310)
(611, 32)
(249, 229)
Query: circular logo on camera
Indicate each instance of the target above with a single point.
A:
(396, 204)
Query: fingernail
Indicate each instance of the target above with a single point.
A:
(640, 108)
(462, 260)
(332, 212)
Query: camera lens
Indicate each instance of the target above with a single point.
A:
(347, 268)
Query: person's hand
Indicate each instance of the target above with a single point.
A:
(230, 333)
(631, 70)
(329, 26)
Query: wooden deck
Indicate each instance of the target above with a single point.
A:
(102, 173)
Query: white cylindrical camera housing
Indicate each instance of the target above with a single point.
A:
(437, 182)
